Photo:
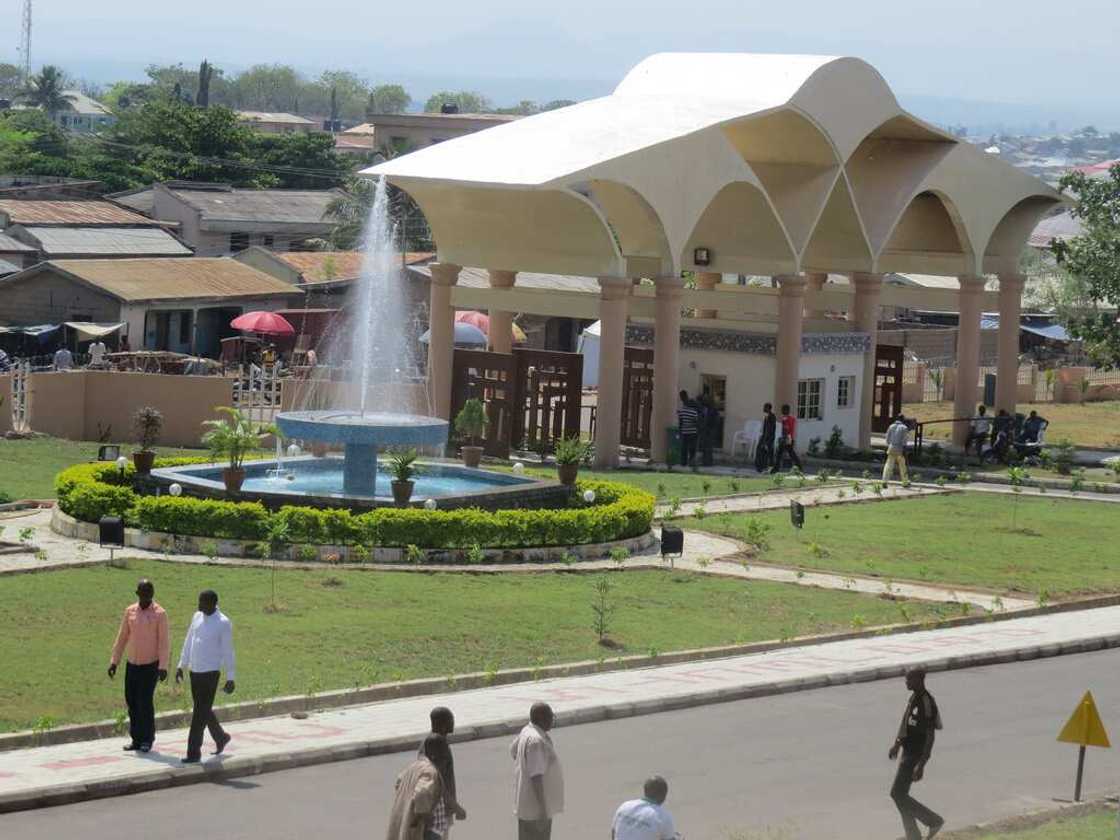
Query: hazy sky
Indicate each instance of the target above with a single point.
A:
(1022, 51)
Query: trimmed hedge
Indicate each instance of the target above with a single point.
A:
(90, 491)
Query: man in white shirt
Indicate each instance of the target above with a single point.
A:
(538, 782)
(63, 359)
(97, 351)
(207, 650)
(897, 436)
(645, 818)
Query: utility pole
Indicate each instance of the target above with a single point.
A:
(25, 43)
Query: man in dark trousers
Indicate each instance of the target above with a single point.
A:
(688, 425)
(207, 650)
(920, 722)
(143, 632)
(764, 450)
(443, 723)
(787, 441)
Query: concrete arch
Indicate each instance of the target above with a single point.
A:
(838, 242)
(743, 234)
(1006, 244)
(525, 230)
(929, 237)
(635, 222)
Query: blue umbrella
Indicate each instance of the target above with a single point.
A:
(467, 335)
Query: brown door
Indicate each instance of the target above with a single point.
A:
(637, 398)
(888, 386)
(489, 377)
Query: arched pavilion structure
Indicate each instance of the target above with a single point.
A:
(792, 166)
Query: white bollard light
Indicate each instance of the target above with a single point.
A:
(519, 468)
(429, 504)
(122, 463)
(589, 496)
(294, 451)
(175, 489)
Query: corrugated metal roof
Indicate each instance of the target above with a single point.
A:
(133, 280)
(274, 117)
(305, 207)
(1061, 226)
(142, 200)
(479, 278)
(7, 268)
(336, 266)
(29, 212)
(8, 244)
(107, 241)
(86, 105)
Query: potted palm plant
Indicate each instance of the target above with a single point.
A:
(401, 465)
(147, 423)
(570, 453)
(470, 424)
(233, 438)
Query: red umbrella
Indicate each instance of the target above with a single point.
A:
(482, 321)
(266, 323)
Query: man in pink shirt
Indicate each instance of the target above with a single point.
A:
(144, 633)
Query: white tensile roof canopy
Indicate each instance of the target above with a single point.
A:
(776, 164)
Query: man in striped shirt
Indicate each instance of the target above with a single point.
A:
(688, 424)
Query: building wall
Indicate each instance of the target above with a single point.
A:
(50, 298)
(830, 368)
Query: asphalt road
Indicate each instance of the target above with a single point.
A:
(809, 765)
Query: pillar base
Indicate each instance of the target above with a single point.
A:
(359, 469)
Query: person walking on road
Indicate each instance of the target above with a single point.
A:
(418, 811)
(538, 782)
(787, 441)
(897, 436)
(443, 723)
(207, 651)
(143, 632)
(764, 449)
(920, 722)
(645, 818)
(688, 425)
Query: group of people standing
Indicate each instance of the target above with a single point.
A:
(426, 804)
(997, 435)
(207, 651)
(698, 426)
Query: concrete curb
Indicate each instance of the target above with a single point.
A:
(1033, 819)
(237, 768)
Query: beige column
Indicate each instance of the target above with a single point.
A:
(706, 281)
(501, 321)
(791, 300)
(813, 308)
(1007, 371)
(865, 315)
(441, 346)
(613, 303)
(666, 363)
(968, 353)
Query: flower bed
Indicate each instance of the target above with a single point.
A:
(89, 491)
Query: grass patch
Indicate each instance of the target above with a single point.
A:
(1059, 546)
(342, 628)
(1087, 424)
(29, 466)
(1096, 826)
(683, 484)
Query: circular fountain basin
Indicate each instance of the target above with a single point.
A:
(378, 429)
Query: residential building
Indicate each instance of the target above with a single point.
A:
(17, 253)
(181, 305)
(270, 122)
(54, 243)
(217, 219)
(407, 132)
(326, 277)
(84, 116)
(70, 213)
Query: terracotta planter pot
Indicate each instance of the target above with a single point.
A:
(143, 461)
(233, 478)
(567, 473)
(472, 455)
(402, 492)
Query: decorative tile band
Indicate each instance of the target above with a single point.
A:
(760, 344)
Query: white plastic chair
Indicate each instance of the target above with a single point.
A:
(748, 436)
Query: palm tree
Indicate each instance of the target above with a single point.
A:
(46, 90)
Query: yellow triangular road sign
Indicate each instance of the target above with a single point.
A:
(1084, 726)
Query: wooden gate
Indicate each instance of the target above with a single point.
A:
(492, 378)
(548, 388)
(637, 397)
(888, 386)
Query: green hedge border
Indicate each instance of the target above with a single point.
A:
(89, 491)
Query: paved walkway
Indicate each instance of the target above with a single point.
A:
(810, 496)
(91, 769)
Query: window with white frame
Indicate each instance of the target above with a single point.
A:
(845, 390)
(809, 395)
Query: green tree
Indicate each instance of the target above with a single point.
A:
(387, 99)
(557, 103)
(46, 90)
(321, 167)
(268, 87)
(11, 80)
(524, 108)
(351, 93)
(352, 208)
(1094, 257)
(468, 102)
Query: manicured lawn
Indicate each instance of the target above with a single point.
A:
(1060, 547)
(28, 467)
(1086, 424)
(683, 484)
(342, 628)
(1097, 826)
